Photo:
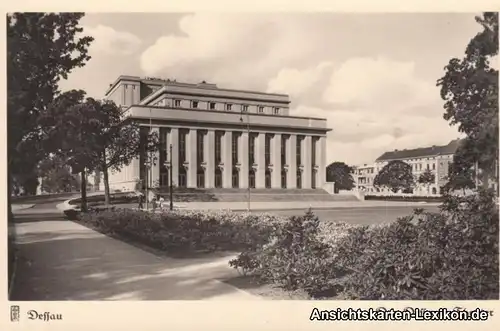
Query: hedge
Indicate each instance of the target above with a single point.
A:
(413, 198)
(184, 231)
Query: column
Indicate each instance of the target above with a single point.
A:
(276, 161)
(173, 138)
(227, 173)
(155, 172)
(260, 158)
(306, 161)
(291, 153)
(317, 162)
(243, 159)
(191, 158)
(321, 152)
(209, 156)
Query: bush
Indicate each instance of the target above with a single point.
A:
(294, 258)
(406, 198)
(186, 230)
(448, 256)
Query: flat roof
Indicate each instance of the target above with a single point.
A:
(201, 85)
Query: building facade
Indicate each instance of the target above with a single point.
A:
(364, 176)
(435, 159)
(220, 138)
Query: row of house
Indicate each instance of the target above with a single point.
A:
(433, 158)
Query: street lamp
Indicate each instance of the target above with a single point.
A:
(248, 149)
(170, 172)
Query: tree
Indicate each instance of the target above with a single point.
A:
(42, 48)
(461, 172)
(341, 174)
(427, 178)
(470, 91)
(56, 176)
(70, 130)
(119, 140)
(396, 175)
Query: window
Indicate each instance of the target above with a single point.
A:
(218, 144)
(244, 108)
(267, 150)
(177, 103)
(251, 178)
(251, 149)
(211, 105)
(182, 146)
(200, 178)
(218, 178)
(283, 149)
(182, 177)
(276, 110)
(299, 179)
(283, 179)
(261, 109)
(268, 179)
(236, 178)
(433, 166)
(234, 147)
(299, 150)
(229, 106)
(194, 104)
(428, 167)
(200, 146)
(313, 151)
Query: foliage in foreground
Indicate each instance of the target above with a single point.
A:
(184, 231)
(447, 256)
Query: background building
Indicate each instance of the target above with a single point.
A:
(363, 178)
(434, 158)
(221, 138)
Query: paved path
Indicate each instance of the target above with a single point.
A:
(62, 260)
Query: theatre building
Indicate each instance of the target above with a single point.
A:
(220, 138)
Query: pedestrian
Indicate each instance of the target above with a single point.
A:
(154, 202)
(162, 201)
(140, 196)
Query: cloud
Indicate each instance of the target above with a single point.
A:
(373, 98)
(380, 84)
(110, 41)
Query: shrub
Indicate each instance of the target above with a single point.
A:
(294, 258)
(406, 198)
(186, 230)
(450, 256)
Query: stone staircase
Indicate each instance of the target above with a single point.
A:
(256, 195)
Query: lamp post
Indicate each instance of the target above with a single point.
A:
(248, 149)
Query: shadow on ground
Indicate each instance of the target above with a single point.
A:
(78, 264)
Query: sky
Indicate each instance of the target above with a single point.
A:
(372, 76)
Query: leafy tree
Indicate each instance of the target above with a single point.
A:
(341, 174)
(42, 48)
(70, 127)
(470, 91)
(461, 172)
(119, 140)
(396, 175)
(427, 178)
(56, 176)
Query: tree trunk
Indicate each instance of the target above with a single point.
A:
(105, 174)
(83, 188)
(107, 196)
